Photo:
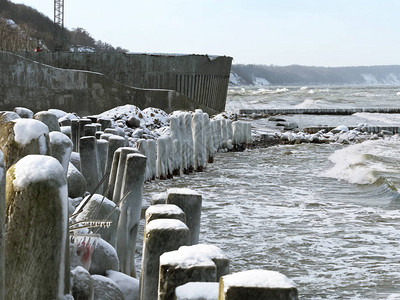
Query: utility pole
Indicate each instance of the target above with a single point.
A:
(58, 38)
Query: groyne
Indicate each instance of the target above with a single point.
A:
(315, 111)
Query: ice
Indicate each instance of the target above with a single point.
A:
(165, 224)
(257, 278)
(28, 129)
(198, 290)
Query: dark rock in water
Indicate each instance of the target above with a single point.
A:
(276, 119)
(106, 289)
(290, 126)
(133, 122)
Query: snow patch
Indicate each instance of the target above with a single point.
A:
(165, 224)
(127, 284)
(164, 208)
(183, 191)
(198, 290)
(260, 81)
(27, 130)
(259, 279)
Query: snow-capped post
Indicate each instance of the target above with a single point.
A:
(61, 148)
(81, 129)
(2, 222)
(164, 211)
(89, 161)
(114, 142)
(49, 119)
(131, 207)
(37, 214)
(177, 144)
(161, 235)
(198, 141)
(256, 284)
(162, 158)
(190, 202)
(113, 173)
(90, 129)
(179, 267)
(124, 151)
(21, 137)
(189, 142)
(105, 123)
(152, 158)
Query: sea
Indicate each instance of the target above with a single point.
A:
(325, 215)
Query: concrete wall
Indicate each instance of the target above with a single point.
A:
(39, 87)
(200, 77)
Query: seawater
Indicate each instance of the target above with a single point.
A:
(327, 216)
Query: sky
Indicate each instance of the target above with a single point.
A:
(278, 32)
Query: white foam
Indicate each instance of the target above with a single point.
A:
(257, 278)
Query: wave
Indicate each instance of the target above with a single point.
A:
(255, 92)
(310, 103)
(369, 163)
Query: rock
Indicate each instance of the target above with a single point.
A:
(82, 284)
(290, 126)
(104, 258)
(99, 208)
(276, 119)
(133, 122)
(77, 184)
(24, 112)
(127, 284)
(49, 119)
(106, 289)
(339, 129)
(75, 159)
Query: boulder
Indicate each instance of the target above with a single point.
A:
(77, 184)
(82, 284)
(49, 119)
(104, 258)
(106, 289)
(127, 284)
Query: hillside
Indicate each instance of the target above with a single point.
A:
(304, 75)
(23, 28)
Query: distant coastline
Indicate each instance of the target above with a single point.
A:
(264, 75)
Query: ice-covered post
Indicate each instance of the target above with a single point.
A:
(2, 222)
(198, 140)
(141, 145)
(161, 235)
(61, 148)
(114, 142)
(21, 137)
(130, 211)
(124, 151)
(256, 284)
(177, 144)
(89, 161)
(102, 148)
(152, 158)
(179, 267)
(209, 138)
(164, 211)
(189, 142)
(162, 158)
(113, 174)
(37, 229)
(190, 202)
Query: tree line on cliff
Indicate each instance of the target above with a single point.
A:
(23, 28)
(253, 74)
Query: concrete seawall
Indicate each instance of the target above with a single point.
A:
(39, 87)
(318, 111)
(201, 78)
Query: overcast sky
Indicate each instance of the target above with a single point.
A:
(279, 32)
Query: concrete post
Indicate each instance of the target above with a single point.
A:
(2, 222)
(159, 198)
(89, 161)
(61, 148)
(21, 137)
(256, 284)
(81, 128)
(121, 171)
(90, 130)
(179, 267)
(190, 202)
(105, 123)
(209, 138)
(141, 145)
(102, 148)
(113, 173)
(114, 142)
(75, 134)
(130, 211)
(161, 235)
(38, 201)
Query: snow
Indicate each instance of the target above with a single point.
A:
(257, 278)
(210, 251)
(164, 208)
(182, 191)
(165, 224)
(37, 168)
(258, 81)
(58, 112)
(27, 130)
(197, 290)
(127, 284)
